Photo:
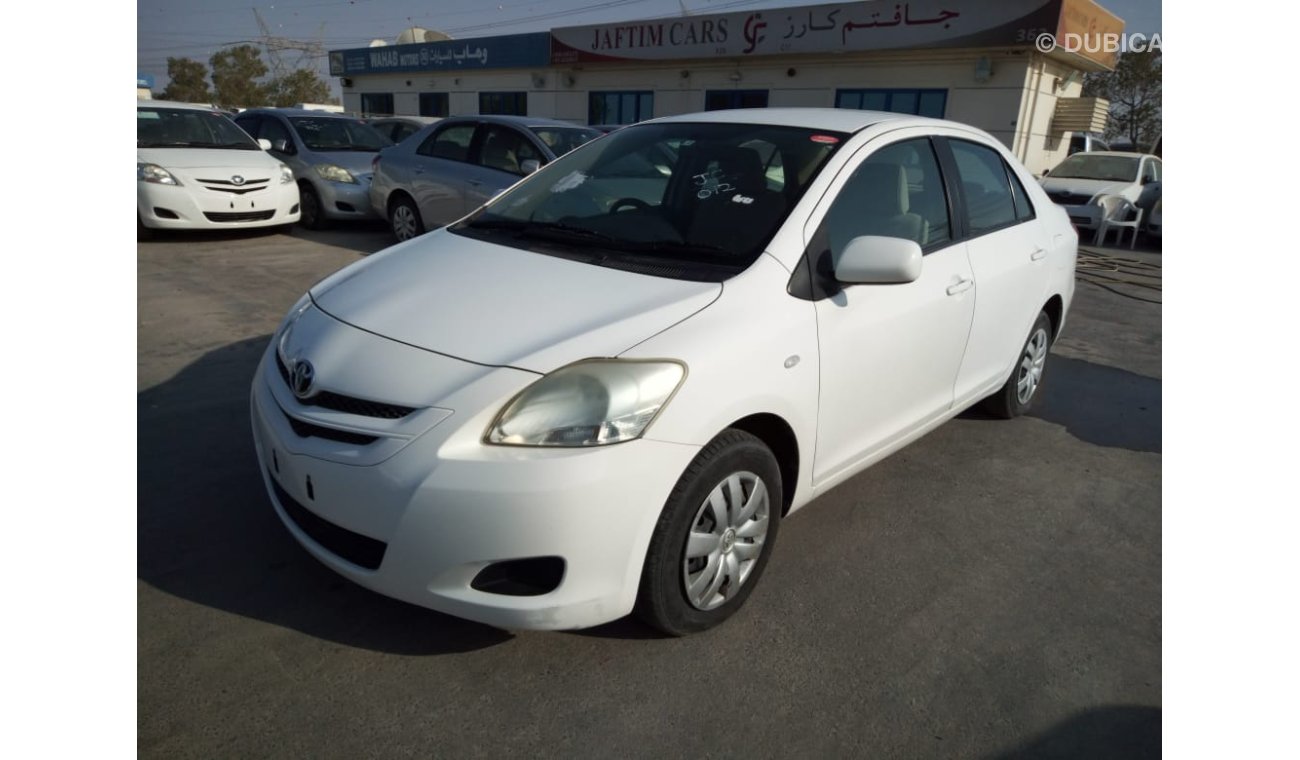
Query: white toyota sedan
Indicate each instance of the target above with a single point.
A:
(196, 170)
(604, 390)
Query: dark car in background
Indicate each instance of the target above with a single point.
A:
(450, 168)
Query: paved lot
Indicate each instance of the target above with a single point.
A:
(993, 590)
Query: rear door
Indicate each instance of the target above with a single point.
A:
(440, 171)
(1008, 253)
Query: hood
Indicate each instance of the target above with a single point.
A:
(356, 161)
(502, 306)
(1087, 187)
(206, 158)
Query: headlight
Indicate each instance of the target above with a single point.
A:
(154, 173)
(591, 403)
(335, 173)
(286, 174)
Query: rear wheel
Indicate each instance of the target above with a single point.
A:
(404, 219)
(1017, 395)
(714, 536)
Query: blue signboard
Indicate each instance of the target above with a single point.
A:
(505, 52)
(144, 80)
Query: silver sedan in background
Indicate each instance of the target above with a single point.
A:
(452, 167)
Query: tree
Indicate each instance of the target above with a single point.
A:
(299, 86)
(188, 81)
(235, 75)
(1133, 90)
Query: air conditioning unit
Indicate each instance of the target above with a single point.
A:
(345, 81)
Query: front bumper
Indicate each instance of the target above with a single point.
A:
(444, 506)
(193, 207)
(1084, 217)
(345, 200)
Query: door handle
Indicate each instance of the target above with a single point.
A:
(960, 287)
(1038, 254)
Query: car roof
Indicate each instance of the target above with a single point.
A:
(832, 119)
(1125, 153)
(299, 112)
(177, 104)
(518, 121)
(404, 119)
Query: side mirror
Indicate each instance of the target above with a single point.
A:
(879, 260)
(263, 143)
(529, 165)
(1046, 172)
(283, 146)
(1146, 180)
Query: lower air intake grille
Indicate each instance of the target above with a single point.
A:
(239, 216)
(355, 548)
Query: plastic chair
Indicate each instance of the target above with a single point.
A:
(1117, 212)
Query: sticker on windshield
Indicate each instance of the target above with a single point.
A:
(147, 115)
(710, 183)
(569, 181)
(745, 199)
(824, 139)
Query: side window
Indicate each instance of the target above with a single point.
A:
(250, 125)
(984, 185)
(505, 149)
(450, 142)
(1024, 208)
(896, 192)
(401, 131)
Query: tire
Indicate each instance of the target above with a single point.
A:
(404, 219)
(312, 214)
(683, 594)
(1022, 387)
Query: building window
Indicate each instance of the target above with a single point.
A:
(376, 104)
(916, 102)
(716, 100)
(620, 107)
(433, 104)
(506, 103)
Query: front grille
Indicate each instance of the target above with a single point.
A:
(238, 216)
(312, 430)
(238, 190)
(348, 404)
(1069, 199)
(355, 548)
(232, 184)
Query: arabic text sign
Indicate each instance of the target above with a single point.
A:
(808, 29)
(509, 51)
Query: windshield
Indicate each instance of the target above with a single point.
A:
(690, 201)
(1093, 166)
(187, 128)
(561, 140)
(326, 134)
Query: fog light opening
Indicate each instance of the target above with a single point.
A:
(520, 577)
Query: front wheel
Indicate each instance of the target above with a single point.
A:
(313, 213)
(714, 536)
(1016, 396)
(404, 218)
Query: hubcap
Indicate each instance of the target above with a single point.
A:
(1031, 366)
(403, 223)
(725, 541)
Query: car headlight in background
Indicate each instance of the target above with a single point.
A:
(591, 403)
(286, 174)
(154, 173)
(335, 173)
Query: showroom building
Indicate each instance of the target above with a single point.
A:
(980, 62)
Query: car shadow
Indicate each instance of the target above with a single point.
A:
(365, 237)
(1097, 404)
(1113, 732)
(206, 531)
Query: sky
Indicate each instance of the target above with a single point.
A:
(196, 29)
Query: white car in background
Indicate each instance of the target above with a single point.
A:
(587, 398)
(1079, 180)
(196, 170)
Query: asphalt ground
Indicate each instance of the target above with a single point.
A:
(993, 590)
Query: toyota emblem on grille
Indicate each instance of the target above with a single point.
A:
(302, 378)
(237, 180)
